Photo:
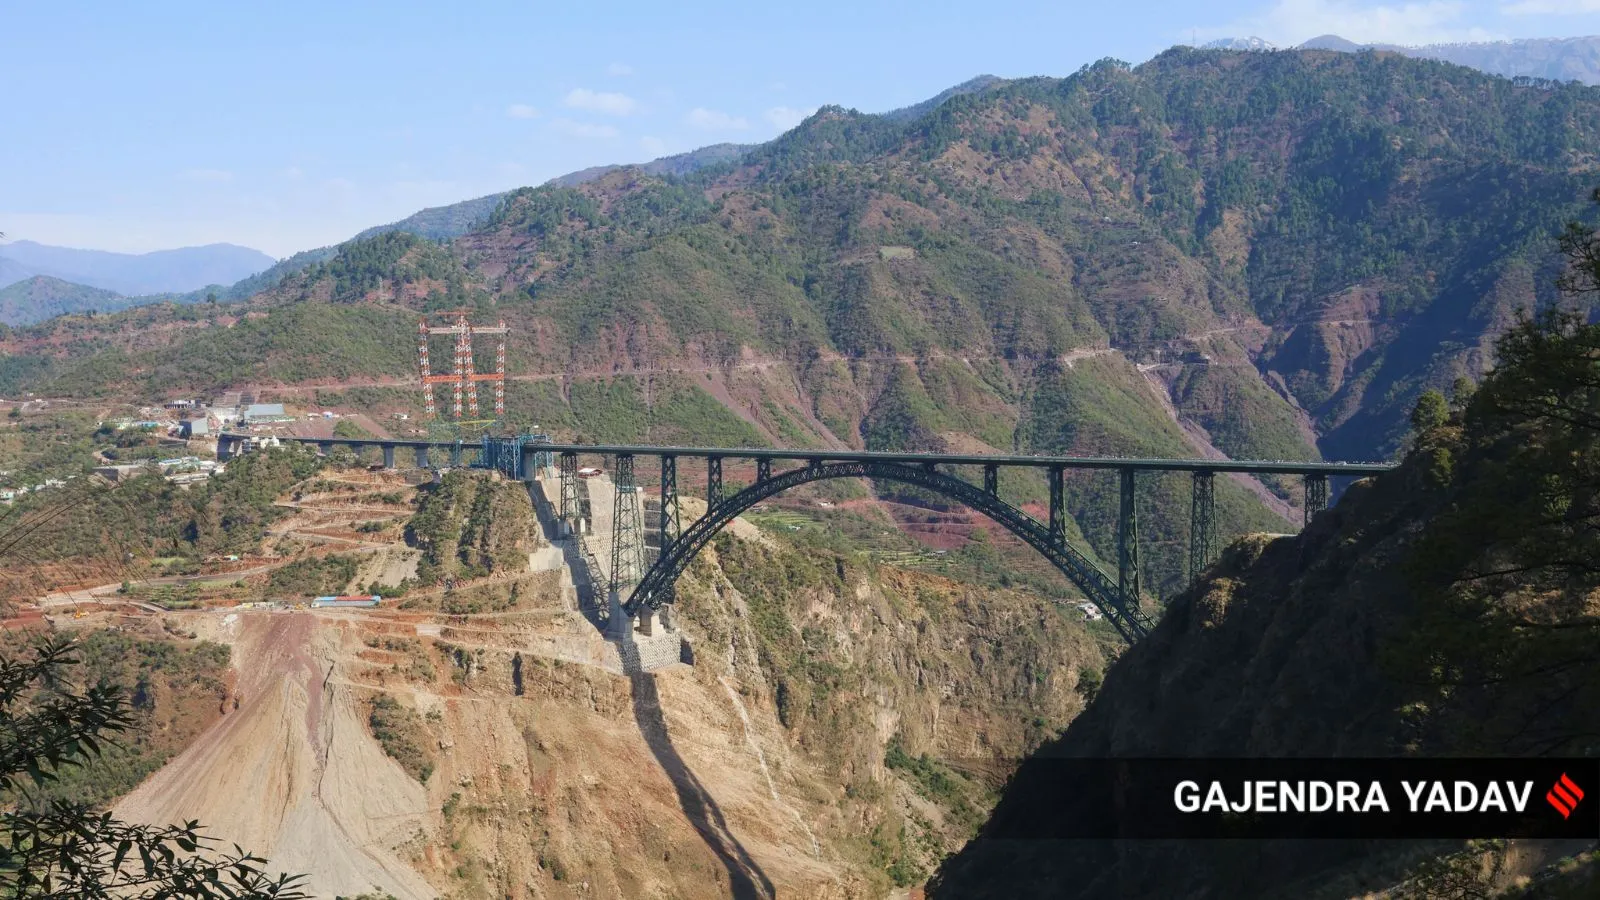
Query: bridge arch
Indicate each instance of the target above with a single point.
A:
(655, 588)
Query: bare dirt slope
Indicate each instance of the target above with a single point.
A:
(551, 779)
(292, 773)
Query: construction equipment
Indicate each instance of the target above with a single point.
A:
(463, 378)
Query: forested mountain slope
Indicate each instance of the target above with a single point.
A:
(42, 297)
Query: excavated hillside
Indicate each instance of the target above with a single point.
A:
(500, 754)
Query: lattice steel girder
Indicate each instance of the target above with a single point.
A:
(627, 537)
(1202, 524)
(1316, 494)
(713, 482)
(671, 522)
(654, 589)
(991, 480)
(1058, 503)
(569, 489)
(1128, 542)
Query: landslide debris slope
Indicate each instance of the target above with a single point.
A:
(1448, 608)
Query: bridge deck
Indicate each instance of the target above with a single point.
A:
(1287, 467)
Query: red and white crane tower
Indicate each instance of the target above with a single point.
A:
(464, 378)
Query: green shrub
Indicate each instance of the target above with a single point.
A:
(403, 736)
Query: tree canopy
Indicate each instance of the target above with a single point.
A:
(60, 849)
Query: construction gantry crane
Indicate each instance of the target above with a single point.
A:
(464, 378)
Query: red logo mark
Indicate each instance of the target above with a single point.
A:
(1564, 796)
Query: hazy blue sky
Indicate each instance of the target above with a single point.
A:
(291, 125)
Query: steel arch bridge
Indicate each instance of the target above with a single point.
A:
(656, 587)
(649, 588)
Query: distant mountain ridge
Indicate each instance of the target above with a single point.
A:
(676, 164)
(1556, 59)
(41, 297)
(442, 223)
(437, 223)
(971, 86)
(160, 272)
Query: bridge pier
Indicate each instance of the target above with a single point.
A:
(1128, 544)
(991, 480)
(763, 470)
(671, 524)
(713, 482)
(325, 448)
(422, 457)
(627, 534)
(1316, 494)
(569, 493)
(388, 456)
(1058, 503)
(455, 455)
(619, 625)
(1202, 524)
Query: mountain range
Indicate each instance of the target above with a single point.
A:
(1555, 59)
(160, 272)
(1258, 255)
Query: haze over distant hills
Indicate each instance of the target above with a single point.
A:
(54, 296)
(1558, 59)
(41, 297)
(441, 223)
(161, 272)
